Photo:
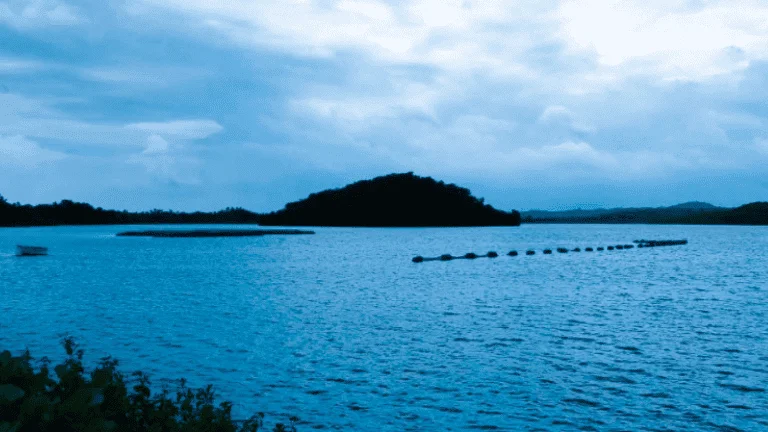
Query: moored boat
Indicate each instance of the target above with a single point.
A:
(31, 250)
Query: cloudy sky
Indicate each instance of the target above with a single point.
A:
(202, 104)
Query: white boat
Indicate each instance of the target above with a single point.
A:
(31, 250)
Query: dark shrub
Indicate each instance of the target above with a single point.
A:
(74, 400)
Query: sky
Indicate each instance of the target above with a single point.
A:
(204, 104)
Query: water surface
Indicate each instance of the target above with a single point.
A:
(342, 330)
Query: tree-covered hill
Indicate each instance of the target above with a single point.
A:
(395, 200)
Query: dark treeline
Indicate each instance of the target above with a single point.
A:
(68, 212)
(395, 200)
(683, 214)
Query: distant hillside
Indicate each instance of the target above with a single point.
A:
(68, 212)
(755, 213)
(694, 205)
(395, 200)
(686, 213)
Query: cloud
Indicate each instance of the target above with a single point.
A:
(38, 118)
(402, 99)
(670, 39)
(761, 145)
(560, 115)
(181, 129)
(15, 65)
(163, 152)
(24, 15)
(665, 39)
(19, 151)
(168, 162)
(140, 75)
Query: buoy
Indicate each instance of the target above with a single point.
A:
(512, 253)
(576, 250)
(562, 250)
(492, 254)
(619, 247)
(446, 257)
(470, 255)
(610, 247)
(629, 246)
(600, 249)
(418, 259)
(589, 249)
(530, 252)
(547, 251)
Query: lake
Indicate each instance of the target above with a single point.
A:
(342, 330)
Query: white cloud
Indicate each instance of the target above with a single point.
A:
(163, 153)
(156, 144)
(664, 39)
(19, 151)
(407, 98)
(761, 145)
(149, 75)
(14, 65)
(674, 39)
(452, 35)
(167, 161)
(558, 114)
(181, 129)
(38, 13)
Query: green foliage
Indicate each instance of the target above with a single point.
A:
(31, 400)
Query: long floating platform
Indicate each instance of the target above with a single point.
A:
(548, 251)
(210, 233)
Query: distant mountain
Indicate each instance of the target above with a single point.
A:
(395, 200)
(687, 213)
(694, 205)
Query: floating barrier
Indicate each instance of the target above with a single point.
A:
(656, 243)
(514, 253)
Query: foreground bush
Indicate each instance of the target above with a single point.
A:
(30, 400)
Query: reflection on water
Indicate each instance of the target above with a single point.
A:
(343, 330)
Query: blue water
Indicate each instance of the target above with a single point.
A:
(342, 330)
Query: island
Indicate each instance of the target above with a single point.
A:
(395, 200)
(211, 233)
